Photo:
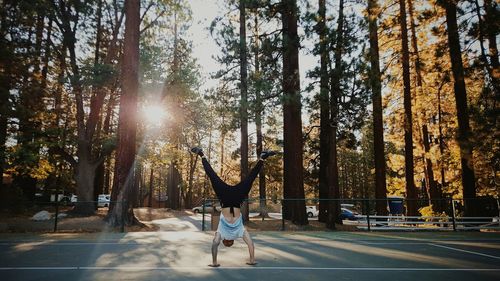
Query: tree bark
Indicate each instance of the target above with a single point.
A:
(466, 155)
(5, 85)
(258, 120)
(243, 103)
(431, 185)
(335, 96)
(378, 126)
(293, 179)
(125, 156)
(411, 194)
(324, 102)
(150, 196)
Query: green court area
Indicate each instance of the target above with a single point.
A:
(184, 255)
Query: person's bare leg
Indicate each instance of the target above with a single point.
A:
(215, 246)
(251, 248)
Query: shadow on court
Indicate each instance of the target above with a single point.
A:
(184, 255)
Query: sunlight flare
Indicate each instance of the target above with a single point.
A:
(154, 114)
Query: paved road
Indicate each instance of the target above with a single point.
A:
(184, 255)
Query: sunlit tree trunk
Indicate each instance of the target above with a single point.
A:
(430, 182)
(411, 194)
(125, 156)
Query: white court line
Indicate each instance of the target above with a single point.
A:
(256, 240)
(465, 251)
(191, 268)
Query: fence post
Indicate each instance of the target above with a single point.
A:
(453, 214)
(368, 213)
(498, 208)
(57, 209)
(282, 217)
(203, 215)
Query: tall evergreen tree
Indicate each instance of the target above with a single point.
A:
(122, 212)
(293, 181)
(464, 131)
(378, 127)
(411, 194)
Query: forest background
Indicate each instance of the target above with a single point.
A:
(365, 99)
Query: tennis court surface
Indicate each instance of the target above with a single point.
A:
(184, 255)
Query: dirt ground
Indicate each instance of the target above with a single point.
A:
(96, 223)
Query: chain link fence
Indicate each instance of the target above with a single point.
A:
(361, 214)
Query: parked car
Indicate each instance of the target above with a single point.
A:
(208, 208)
(103, 200)
(312, 211)
(347, 214)
(64, 199)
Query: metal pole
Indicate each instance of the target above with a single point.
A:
(203, 215)
(498, 207)
(453, 214)
(57, 209)
(282, 217)
(368, 213)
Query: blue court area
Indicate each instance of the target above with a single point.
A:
(184, 255)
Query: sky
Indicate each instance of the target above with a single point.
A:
(204, 11)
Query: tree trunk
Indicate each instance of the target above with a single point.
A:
(441, 141)
(335, 96)
(125, 156)
(5, 85)
(492, 29)
(243, 103)
(378, 126)
(466, 156)
(258, 120)
(411, 194)
(293, 179)
(432, 189)
(150, 196)
(324, 114)
(85, 176)
(173, 185)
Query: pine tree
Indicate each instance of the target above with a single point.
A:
(293, 181)
(467, 162)
(376, 89)
(122, 212)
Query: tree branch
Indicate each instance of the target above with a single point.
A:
(65, 155)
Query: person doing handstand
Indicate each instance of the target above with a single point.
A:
(231, 196)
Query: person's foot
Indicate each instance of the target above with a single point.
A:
(197, 150)
(267, 153)
(252, 263)
(214, 265)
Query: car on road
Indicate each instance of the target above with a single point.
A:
(312, 211)
(347, 214)
(103, 200)
(208, 208)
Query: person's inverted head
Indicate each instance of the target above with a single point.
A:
(227, 243)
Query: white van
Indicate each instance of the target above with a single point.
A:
(103, 200)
